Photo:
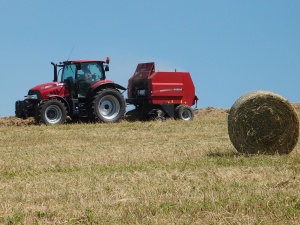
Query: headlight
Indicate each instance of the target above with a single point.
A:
(34, 95)
(31, 97)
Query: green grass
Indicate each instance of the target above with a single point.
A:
(171, 172)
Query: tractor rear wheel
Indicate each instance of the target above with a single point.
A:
(184, 112)
(107, 106)
(51, 112)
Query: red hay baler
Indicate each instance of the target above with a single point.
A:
(161, 94)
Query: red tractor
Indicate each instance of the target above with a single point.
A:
(161, 94)
(81, 92)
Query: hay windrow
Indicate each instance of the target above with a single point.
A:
(14, 121)
(263, 122)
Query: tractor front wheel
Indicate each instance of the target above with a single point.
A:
(51, 112)
(184, 112)
(107, 106)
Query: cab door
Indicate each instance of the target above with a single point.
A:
(69, 78)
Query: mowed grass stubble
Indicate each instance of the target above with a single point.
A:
(142, 173)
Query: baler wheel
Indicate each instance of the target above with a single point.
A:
(51, 112)
(184, 112)
(107, 106)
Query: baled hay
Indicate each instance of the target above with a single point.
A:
(263, 122)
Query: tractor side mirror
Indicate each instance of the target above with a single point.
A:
(106, 68)
(78, 66)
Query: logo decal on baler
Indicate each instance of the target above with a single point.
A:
(169, 89)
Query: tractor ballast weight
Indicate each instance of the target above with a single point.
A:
(161, 94)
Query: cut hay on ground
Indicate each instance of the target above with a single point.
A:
(263, 122)
(14, 121)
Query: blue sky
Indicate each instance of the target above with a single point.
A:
(230, 47)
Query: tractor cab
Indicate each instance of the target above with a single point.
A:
(80, 75)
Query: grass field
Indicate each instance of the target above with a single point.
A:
(171, 172)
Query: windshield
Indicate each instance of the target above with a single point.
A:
(68, 72)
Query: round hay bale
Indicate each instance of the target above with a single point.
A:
(263, 122)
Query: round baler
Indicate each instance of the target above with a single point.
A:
(161, 94)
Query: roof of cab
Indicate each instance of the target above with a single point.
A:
(82, 61)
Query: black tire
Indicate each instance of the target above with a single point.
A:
(51, 112)
(184, 112)
(107, 106)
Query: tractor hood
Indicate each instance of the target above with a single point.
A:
(49, 85)
(45, 90)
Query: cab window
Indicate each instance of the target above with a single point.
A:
(94, 69)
